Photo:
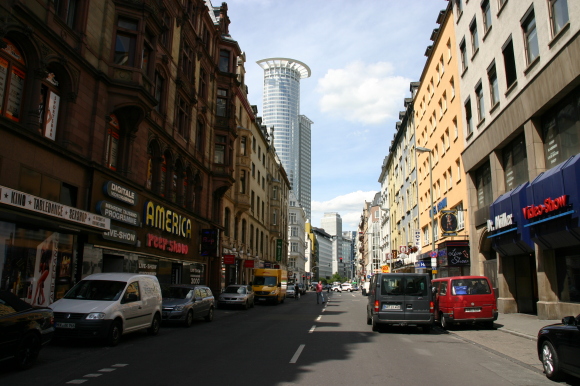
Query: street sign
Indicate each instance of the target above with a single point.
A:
(418, 238)
(403, 249)
(385, 268)
(433, 254)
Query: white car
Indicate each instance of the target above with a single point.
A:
(336, 288)
(346, 287)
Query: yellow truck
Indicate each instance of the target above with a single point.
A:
(269, 285)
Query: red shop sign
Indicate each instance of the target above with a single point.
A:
(548, 206)
(248, 263)
(229, 259)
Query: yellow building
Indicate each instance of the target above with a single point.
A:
(437, 108)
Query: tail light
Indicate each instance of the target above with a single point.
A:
(376, 306)
(431, 307)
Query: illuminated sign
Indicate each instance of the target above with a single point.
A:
(159, 217)
(549, 205)
(164, 244)
(120, 193)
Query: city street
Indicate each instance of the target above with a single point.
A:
(298, 342)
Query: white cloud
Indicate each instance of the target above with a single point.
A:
(367, 93)
(349, 206)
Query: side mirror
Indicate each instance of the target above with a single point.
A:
(434, 290)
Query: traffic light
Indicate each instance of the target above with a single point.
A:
(341, 259)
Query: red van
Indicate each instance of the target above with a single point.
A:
(464, 299)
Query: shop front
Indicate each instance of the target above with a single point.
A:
(41, 244)
(146, 236)
(453, 258)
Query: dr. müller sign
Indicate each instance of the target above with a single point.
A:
(119, 192)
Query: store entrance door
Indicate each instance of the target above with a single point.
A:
(526, 288)
(112, 263)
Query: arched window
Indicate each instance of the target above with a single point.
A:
(112, 145)
(12, 79)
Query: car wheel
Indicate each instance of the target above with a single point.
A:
(114, 334)
(375, 326)
(369, 320)
(189, 319)
(155, 325)
(209, 316)
(551, 362)
(246, 305)
(444, 322)
(27, 351)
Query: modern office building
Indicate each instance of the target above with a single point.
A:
(291, 131)
(332, 224)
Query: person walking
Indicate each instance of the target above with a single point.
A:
(319, 295)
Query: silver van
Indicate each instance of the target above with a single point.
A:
(403, 299)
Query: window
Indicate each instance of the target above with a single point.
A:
(220, 149)
(561, 130)
(12, 80)
(558, 15)
(426, 237)
(567, 265)
(112, 144)
(292, 218)
(509, 63)
(165, 37)
(125, 42)
(202, 90)
(493, 85)
(463, 49)
(187, 61)
(449, 50)
(483, 186)
(182, 111)
(480, 103)
(460, 216)
(222, 102)
(66, 10)
(294, 231)
(224, 63)
(455, 127)
(449, 178)
(458, 8)
(468, 117)
(243, 182)
(253, 170)
(474, 37)
(275, 217)
(452, 83)
(199, 136)
(159, 91)
(530, 37)
(243, 149)
(486, 10)
(515, 163)
(458, 167)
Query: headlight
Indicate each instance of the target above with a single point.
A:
(96, 316)
(273, 292)
(178, 308)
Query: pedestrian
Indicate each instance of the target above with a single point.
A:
(319, 295)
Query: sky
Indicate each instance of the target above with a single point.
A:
(363, 55)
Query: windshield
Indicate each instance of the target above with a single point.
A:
(290, 287)
(178, 293)
(106, 290)
(265, 280)
(470, 287)
(235, 290)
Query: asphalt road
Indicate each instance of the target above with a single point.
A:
(295, 343)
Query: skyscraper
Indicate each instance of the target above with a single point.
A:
(281, 110)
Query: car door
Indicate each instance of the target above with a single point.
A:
(132, 307)
(417, 298)
(197, 306)
(391, 295)
(569, 345)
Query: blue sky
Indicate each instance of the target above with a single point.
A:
(363, 55)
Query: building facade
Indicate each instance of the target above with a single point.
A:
(296, 240)
(332, 224)
(324, 253)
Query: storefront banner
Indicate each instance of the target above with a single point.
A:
(159, 217)
(121, 235)
(197, 273)
(118, 192)
(51, 115)
(249, 264)
(229, 259)
(118, 213)
(35, 204)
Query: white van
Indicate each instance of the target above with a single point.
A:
(108, 305)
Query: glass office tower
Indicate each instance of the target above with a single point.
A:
(281, 110)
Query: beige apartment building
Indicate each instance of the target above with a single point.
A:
(440, 141)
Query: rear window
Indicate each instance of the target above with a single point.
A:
(394, 285)
(470, 287)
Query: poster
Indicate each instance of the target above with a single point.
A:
(15, 95)
(3, 75)
(51, 115)
(45, 271)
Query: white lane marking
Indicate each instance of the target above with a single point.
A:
(120, 365)
(107, 370)
(77, 381)
(319, 317)
(312, 330)
(298, 352)
(92, 375)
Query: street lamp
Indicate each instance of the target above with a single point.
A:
(431, 212)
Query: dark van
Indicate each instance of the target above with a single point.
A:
(403, 299)
(464, 299)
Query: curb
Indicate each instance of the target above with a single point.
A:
(517, 333)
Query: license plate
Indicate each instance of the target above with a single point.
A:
(391, 306)
(474, 309)
(65, 325)
(261, 299)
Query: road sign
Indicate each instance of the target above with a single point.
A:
(403, 249)
(385, 269)
(433, 254)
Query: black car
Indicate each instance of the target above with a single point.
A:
(23, 330)
(559, 348)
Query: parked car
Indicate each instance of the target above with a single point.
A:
(237, 295)
(464, 300)
(336, 288)
(23, 330)
(292, 291)
(403, 299)
(182, 303)
(109, 305)
(559, 348)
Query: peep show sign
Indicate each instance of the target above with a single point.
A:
(454, 254)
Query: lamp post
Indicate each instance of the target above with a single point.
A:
(431, 212)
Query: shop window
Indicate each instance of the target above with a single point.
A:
(125, 41)
(12, 80)
(112, 144)
(515, 163)
(483, 186)
(49, 106)
(568, 268)
(68, 195)
(561, 130)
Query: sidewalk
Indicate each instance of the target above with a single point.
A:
(523, 325)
